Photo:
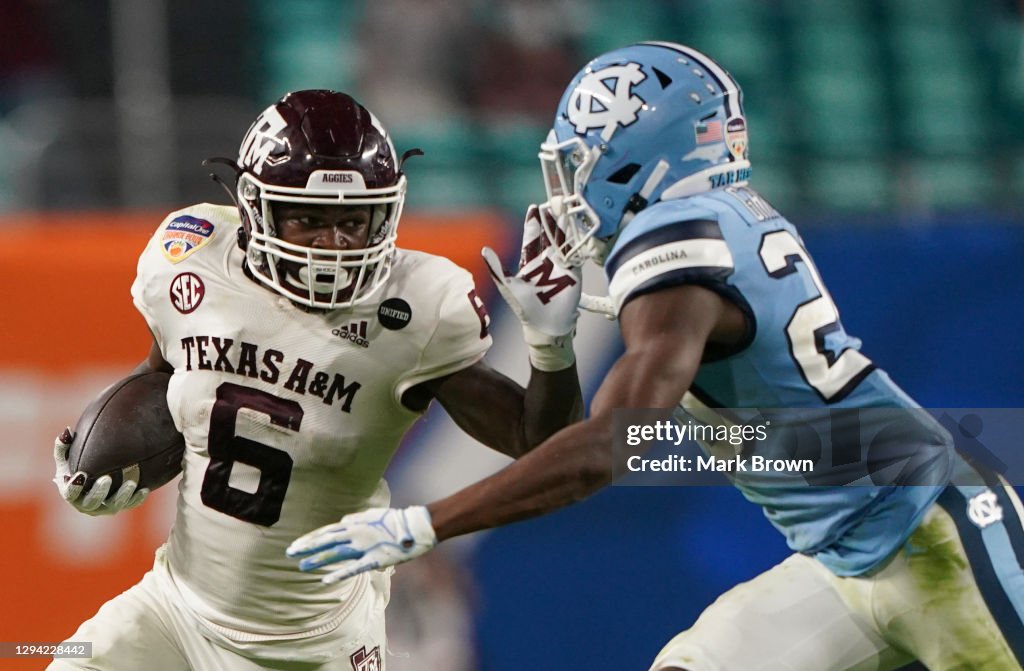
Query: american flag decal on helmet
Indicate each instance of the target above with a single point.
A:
(708, 131)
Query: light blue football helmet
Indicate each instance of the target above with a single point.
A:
(648, 122)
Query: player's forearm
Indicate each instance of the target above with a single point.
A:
(570, 466)
(553, 400)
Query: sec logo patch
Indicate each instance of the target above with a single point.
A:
(187, 292)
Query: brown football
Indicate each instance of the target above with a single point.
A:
(127, 433)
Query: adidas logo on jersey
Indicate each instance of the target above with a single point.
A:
(354, 332)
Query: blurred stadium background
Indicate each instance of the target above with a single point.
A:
(891, 131)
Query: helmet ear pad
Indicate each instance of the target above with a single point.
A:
(319, 147)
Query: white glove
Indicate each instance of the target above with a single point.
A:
(599, 305)
(544, 294)
(370, 539)
(70, 485)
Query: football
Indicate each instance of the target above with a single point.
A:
(127, 433)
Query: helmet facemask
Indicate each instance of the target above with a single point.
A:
(320, 278)
(567, 166)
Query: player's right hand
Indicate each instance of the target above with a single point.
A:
(70, 485)
(544, 293)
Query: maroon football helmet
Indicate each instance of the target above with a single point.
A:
(319, 147)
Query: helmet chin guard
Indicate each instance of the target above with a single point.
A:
(319, 148)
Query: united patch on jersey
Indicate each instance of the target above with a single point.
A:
(183, 236)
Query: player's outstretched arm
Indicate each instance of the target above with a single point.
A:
(499, 413)
(95, 501)
(665, 333)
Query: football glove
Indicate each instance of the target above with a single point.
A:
(544, 294)
(94, 501)
(370, 539)
(599, 305)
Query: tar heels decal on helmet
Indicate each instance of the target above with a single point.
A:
(262, 139)
(605, 99)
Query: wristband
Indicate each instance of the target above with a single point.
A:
(550, 354)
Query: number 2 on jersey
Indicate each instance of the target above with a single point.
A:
(832, 375)
(227, 449)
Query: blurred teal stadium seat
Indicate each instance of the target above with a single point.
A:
(943, 103)
(953, 127)
(610, 24)
(925, 12)
(739, 34)
(850, 185)
(834, 47)
(306, 44)
(828, 11)
(449, 175)
(951, 183)
(770, 132)
(925, 45)
(775, 181)
(515, 179)
(742, 49)
(843, 114)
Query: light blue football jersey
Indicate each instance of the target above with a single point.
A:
(880, 461)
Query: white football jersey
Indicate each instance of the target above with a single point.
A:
(290, 416)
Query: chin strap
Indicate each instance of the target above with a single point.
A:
(639, 200)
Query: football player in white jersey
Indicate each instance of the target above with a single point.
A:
(903, 549)
(303, 344)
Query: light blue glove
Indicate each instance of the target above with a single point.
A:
(370, 539)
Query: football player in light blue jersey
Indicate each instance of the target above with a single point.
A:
(903, 550)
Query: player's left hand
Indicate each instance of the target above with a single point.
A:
(370, 539)
(544, 294)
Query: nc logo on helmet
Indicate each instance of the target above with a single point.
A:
(605, 99)
(261, 140)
